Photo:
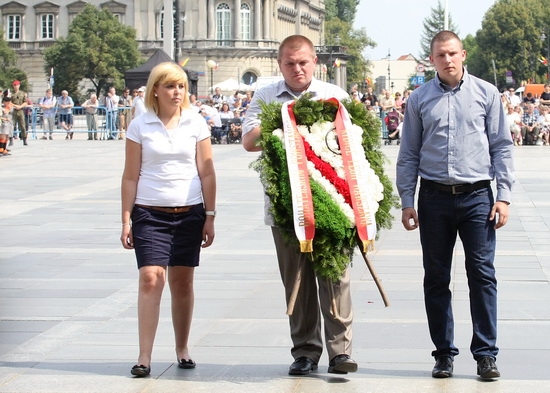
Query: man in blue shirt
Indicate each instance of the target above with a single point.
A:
(455, 138)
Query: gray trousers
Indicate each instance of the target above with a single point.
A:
(314, 298)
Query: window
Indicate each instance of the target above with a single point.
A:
(223, 24)
(246, 26)
(47, 28)
(14, 27)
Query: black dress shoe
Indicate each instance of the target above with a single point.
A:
(342, 364)
(302, 366)
(186, 363)
(443, 367)
(140, 370)
(487, 368)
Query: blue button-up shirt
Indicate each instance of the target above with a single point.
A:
(455, 136)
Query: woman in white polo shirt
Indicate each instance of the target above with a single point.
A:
(168, 206)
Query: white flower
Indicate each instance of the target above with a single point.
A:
(321, 136)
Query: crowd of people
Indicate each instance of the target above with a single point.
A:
(223, 114)
(390, 108)
(20, 114)
(528, 117)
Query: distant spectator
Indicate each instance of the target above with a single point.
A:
(529, 126)
(218, 98)
(19, 102)
(48, 106)
(514, 122)
(545, 96)
(245, 103)
(514, 98)
(66, 104)
(544, 121)
(124, 112)
(138, 104)
(529, 99)
(234, 101)
(398, 100)
(90, 106)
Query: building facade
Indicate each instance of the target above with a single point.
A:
(394, 75)
(236, 38)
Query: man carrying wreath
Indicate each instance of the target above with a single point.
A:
(297, 61)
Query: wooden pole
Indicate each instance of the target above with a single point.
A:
(375, 277)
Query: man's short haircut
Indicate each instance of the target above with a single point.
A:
(442, 36)
(295, 42)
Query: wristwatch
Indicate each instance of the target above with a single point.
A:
(210, 213)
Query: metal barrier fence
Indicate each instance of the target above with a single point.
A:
(107, 124)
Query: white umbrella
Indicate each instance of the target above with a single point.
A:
(230, 84)
(245, 87)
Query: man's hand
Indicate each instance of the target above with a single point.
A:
(500, 212)
(409, 218)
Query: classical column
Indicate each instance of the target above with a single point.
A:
(267, 12)
(200, 15)
(237, 21)
(211, 19)
(257, 19)
(150, 29)
(338, 78)
(168, 24)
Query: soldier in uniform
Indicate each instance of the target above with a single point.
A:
(19, 101)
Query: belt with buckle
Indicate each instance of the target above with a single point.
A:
(171, 210)
(455, 188)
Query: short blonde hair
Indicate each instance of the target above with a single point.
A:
(162, 73)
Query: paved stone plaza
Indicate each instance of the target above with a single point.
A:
(68, 289)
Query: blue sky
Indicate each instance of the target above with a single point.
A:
(396, 25)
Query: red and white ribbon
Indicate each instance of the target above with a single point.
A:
(302, 201)
(365, 221)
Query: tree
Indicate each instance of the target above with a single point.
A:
(432, 25)
(511, 38)
(344, 10)
(355, 41)
(98, 49)
(8, 71)
(339, 23)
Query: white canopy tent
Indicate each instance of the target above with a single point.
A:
(232, 85)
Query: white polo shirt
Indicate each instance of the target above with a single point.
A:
(168, 175)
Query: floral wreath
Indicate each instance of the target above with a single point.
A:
(336, 233)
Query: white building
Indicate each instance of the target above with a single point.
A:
(393, 75)
(240, 36)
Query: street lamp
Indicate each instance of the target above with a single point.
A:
(389, 72)
(546, 62)
(211, 64)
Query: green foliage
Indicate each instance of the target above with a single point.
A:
(334, 239)
(98, 49)
(8, 70)
(511, 36)
(355, 41)
(432, 25)
(344, 10)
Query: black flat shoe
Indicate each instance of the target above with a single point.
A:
(342, 364)
(487, 368)
(302, 366)
(140, 370)
(443, 367)
(186, 363)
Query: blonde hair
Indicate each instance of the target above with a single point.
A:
(163, 73)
